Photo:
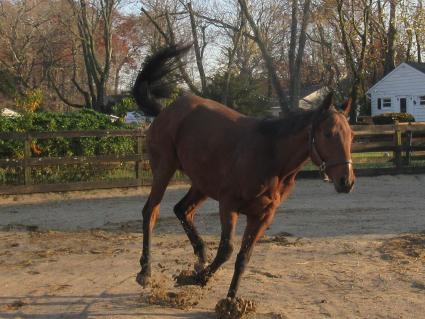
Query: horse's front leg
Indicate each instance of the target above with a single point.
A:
(254, 230)
(228, 220)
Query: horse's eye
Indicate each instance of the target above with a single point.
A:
(328, 134)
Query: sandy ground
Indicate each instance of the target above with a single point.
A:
(75, 255)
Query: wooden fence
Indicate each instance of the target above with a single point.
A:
(27, 162)
(400, 139)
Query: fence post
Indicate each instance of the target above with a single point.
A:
(27, 157)
(397, 144)
(139, 162)
(408, 147)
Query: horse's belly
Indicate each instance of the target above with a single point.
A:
(204, 175)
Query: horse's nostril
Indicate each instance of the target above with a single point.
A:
(345, 182)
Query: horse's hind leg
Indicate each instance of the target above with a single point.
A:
(185, 211)
(150, 213)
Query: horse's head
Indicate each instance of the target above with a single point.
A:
(330, 144)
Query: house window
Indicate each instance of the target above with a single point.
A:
(386, 102)
(379, 103)
(422, 100)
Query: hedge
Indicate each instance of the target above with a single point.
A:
(84, 119)
(390, 118)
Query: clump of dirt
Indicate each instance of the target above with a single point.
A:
(186, 277)
(405, 247)
(192, 278)
(17, 304)
(236, 308)
(159, 295)
(282, 239)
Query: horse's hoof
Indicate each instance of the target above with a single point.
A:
(143, 280)
(202, 278)
(200, 266)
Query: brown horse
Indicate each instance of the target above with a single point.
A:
(248, 165)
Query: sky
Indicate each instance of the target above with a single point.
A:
(212, 51)
(130, 7)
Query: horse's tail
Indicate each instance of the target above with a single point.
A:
(150, 84)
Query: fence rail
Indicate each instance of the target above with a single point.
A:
(401, 139)
(398, 138)
(28, 162)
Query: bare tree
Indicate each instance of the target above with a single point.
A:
(236, 37)
(198, 46)
(268, 60)
(389, 63)
(296, 54)
(164, 21)
(94, 21)
(351, 27)
(21, 26)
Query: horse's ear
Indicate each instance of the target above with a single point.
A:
(327, 102)
(347, 106)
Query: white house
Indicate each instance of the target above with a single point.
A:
(309, 101)
(401, 90)
(138, 118)
(9, 113)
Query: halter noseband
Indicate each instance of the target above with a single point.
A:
(320, 162)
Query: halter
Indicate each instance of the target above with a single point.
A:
(321, 163)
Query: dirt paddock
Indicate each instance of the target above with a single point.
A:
(327, 255)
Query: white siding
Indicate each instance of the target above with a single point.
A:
(395, 106)
(419, 111)
(405, 81)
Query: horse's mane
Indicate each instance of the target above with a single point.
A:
(293, 122)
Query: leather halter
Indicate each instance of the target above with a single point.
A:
(320, 162)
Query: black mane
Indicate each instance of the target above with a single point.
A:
(293, 122)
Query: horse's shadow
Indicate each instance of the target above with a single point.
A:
(104, 305)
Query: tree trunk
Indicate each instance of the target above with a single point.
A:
(295, 75)
(170, 40)
(232, 52)
(409, 45)
(197, 48)
(291, 55)
(357, 63)
(283, 101)
(389, 64)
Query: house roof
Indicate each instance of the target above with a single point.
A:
(311, 100)
(417, 66)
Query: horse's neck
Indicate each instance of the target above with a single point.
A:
(292, 152)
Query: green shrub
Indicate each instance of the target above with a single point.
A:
(84, 119)
(30, 100)
(127, 104)
(390, 118)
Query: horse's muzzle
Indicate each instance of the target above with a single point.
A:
(344, 185)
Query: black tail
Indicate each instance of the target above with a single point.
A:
(150, 83)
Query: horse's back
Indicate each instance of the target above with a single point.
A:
(191, 115)
(204, 135)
